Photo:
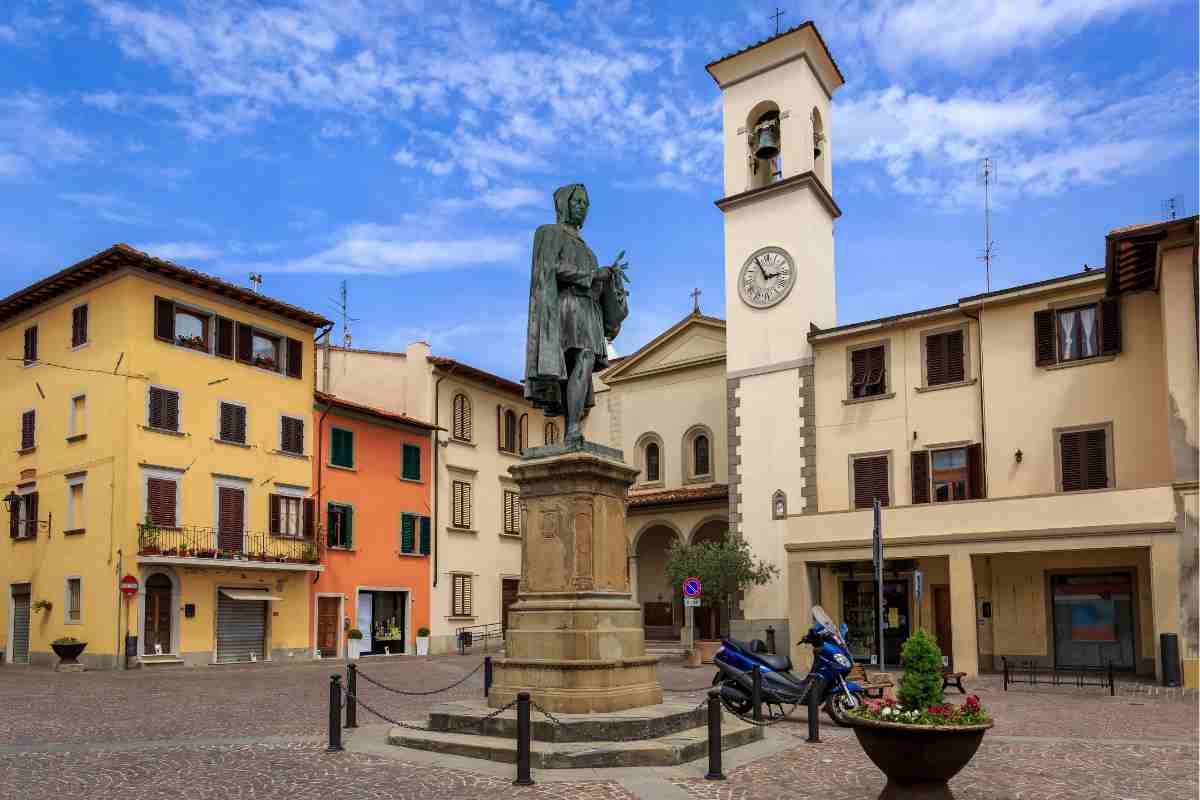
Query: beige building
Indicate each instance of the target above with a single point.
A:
(484, 426)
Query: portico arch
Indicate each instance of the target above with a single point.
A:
(709, 529)
(660, 616)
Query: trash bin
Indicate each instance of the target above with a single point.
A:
(1169, 654)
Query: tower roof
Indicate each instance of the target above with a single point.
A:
(802, 41)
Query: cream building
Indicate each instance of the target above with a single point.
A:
(484, 426)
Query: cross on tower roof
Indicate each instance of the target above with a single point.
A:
(779, 12)
(695, 295)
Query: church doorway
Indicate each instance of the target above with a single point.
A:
(711, 620)
(662, 611)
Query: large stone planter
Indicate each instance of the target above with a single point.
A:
(707, 649)
(918, 760)
(68, 656)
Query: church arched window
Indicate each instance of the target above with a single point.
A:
(652, 462)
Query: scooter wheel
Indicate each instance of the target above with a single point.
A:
(742, 707)
(838, 711)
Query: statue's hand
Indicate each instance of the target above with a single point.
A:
(619, 266)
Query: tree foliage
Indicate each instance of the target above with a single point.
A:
(724, 568)
(921, 684)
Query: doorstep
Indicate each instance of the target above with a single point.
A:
(164, 660)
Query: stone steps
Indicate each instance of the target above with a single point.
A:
(475, 718)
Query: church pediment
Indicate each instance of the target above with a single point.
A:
(695, 340)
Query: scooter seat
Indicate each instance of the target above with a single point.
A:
(781, 663)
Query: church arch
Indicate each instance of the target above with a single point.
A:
(699, 454)
(710, 529)
(764, 142)
(651, 462)
(820, 144)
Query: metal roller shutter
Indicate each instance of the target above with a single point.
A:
(20, 644)
(241, 629)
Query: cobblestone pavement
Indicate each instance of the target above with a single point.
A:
(258, 732)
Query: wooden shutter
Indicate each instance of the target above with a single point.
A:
(275, 504)
(170, 410)
(462, 596)
(411, 467)
(920, 476)
(28, 430)
(332, 522)
(456, 603)
(510, 516)
(456, 514)
(1071, 456)
(955, 362)
(1045, 352)
(245, 343)
(408, 533)
(224, 337)
(79, 321)
(233, 423)
(935, 360)
(425, 536)
(1095, 459)
(14, 524)
(500, 427)
(462, 417)
(154, 417)
(858, 368)
(976, 475)
(164, 319)
(1110, 326)
(870, 481)
(295, 359)
(231, 511)
(160, 501)
(309, 517)
(31, 513)
(31, 345)
(348, 526)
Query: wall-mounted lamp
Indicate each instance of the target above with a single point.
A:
(1018, 455)
(14, 501)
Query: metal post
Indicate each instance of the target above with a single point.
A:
(770, 640)
(1004, 662)
(487, 675)
(814, 710)
(1112, 686)
(335, 714)
(523, 776)
(756, 693)
(714, 736)
(351, 695)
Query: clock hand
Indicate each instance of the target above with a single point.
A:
(762, 269)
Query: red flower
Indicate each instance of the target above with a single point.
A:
(972, 703)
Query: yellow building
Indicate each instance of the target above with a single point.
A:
(157, 428)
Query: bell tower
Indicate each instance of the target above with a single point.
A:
(778, 213)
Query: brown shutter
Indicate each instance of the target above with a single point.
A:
(1043, 336)
(224, 337)
(31, 345)
(155, 416)
(858, 367)
(1096, 459)
(274, 502)
(28, 429)
(309, 517)
(955, 366)
(1071, 455)
(14, 524)
(870, 481)
(230, 519)
(164, 319)
(976, 475)
(79, 319)
(920, 476)
(1110, 326)
(295, 359)
(245, 343)
(935, 360)
(170, 410)
(500, 427)
(160, 501)
(31, 513)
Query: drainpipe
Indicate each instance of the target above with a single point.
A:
(437, 407)
(982, 418)
(320, 477)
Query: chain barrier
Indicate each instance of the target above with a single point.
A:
(636, 737)
(406, 693)
(766, 723)
(410, 726)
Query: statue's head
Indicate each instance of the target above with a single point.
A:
(571, 204)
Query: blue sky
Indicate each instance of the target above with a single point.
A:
(410, 148)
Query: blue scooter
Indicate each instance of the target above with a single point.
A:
(831, 664)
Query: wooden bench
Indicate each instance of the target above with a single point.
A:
(953, 679)
(872, 685)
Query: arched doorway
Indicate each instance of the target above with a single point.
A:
(710, 616)
(660, 616)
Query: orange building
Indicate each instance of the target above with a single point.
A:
(371, 477)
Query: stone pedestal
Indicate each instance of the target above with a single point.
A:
(575, 640)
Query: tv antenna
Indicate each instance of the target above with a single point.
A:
(256, 282)
(343, 307)
(1172, 207)
(987, 177)
(779, 12)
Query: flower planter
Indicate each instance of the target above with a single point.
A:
(352, 648)
(707, 649)
(918, 760)
(68, 654)
(422, 645)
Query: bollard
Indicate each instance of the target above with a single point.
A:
(1112, 686)
(523, 776)
(351, 695)
(770, 640)
(756, 693)
(714, 736)
(814, 710)
(335, 714)
(487, 675)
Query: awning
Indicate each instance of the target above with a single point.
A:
(249, 594)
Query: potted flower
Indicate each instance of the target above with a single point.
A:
(353, 642)
(68, 649)
(42, 605)
(310, 554)
(422, 641)
(920, 742)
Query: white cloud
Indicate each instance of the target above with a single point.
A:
(182, 251)
(108, 207)
(508, 199)
(31, 138)
(404, 158)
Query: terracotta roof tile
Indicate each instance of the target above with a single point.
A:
(391, 416)
(466, 370)
(688, 494)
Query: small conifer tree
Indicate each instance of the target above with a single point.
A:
(921, 685)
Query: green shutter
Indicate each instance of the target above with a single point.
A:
(342, 448)
(412, 463)
(408, 533)
(330, 538)
(348, 513)
(424, 536)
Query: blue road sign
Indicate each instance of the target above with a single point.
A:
(691, 587)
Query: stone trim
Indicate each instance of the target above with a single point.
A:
(808, 432)
(732, 404)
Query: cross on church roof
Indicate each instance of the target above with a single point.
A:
(695, 295)
(779, 12)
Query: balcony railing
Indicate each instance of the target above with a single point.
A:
(222, 544)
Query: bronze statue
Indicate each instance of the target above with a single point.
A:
(574, 305)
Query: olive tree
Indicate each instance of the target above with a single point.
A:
(724, 568)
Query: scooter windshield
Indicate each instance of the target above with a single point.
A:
(826, 622)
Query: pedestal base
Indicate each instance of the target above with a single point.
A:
(577, 687)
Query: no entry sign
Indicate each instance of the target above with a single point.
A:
(129, 586)
(691, 587)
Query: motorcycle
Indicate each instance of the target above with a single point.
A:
(831, 663)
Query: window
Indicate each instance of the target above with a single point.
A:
(77, 423)
(22, 524)
(462, 606)
(31, 345)
(461, 426)
(868, 371)
(265, 351)
(163, 409)
(79, 326)
(551, 433)
(233, 423)
(512, 512)
(461, 512)
(291, 435)
(231, 516)
(28, 430)
(1078, 332)
(954, 473)
(944, 358)
(414, 534)
(288, 517)
(653, 472)
(700, 456)
(1085, 459)
(411, 462)
(341, 448)
(870, 480)
(191, 329)
(74, 600)
(949, 474)
(506, 430)
(340, 531)
(161, 502)
(696, 454)
(75, 518)
(224, 337)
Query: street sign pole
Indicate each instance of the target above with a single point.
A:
(691, 599)
(877, 553)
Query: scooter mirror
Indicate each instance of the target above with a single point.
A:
(844, 627)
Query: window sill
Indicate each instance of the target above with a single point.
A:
(164, 431)
(30, 364)
(508, 535)
(343, 469)
(856, 400)
(300, 456)
(80, 346)
(459, 619)
(335, 549)
(1085, 491)
(76, 437)
(409, 480)
(1080, 362)
(291, 537)
(26, 538)
(72, 622)
(74, 532)
(938, 386)
(649, 485)
(509, 453)
(412, 555)
(453, 529)
(461, 442)
(231, 443)
(24, 451)
(705, 478)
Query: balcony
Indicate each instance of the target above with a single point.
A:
(195, 545)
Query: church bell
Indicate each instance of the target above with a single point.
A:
(766, 140)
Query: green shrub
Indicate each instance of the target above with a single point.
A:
(354, 633)
(422, 631)
(921, 685)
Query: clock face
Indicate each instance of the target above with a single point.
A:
(766, 278)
